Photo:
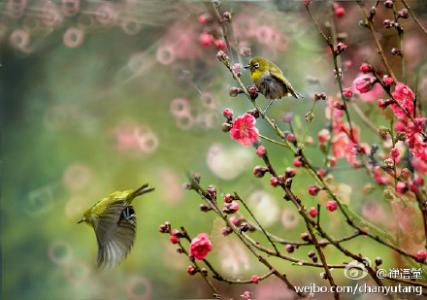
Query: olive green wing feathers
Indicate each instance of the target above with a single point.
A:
(115, 232)
(277, 73)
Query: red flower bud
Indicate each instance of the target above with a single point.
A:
(191, 270)
(421, 256)
(174, 239)
(331, 205)
(321, 173)
(291, 137)
(401, 187)
(259, 171)
(297, 162)
(228, 113)
(290, 172)
(388, 80)
(228, 198)
(365, 68)
(347, 92)
(274, 181)
(206, 39)
(204, 19)
(252, 90)
(313, 212)
(260, 151)
(220, 44)
(255, 279)
(313, 190)
(339, 10)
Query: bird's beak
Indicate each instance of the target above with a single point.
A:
(247, 67)
(83, 219)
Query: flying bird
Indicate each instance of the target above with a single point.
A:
(114, 222)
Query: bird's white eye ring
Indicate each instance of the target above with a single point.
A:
(256, 66)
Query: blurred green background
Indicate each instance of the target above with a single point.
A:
(79, 122)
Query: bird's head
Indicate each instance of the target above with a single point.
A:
(257, 64)
(84, 219)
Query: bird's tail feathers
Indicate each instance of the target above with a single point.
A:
(142, 190)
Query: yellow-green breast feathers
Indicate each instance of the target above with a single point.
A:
(114, 222)
(269, 79)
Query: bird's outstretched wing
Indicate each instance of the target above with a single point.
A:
(115, 233)
(277, 73)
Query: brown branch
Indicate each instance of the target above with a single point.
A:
(411, 12)
(204, 276)
(194, 184)
(216, 275)
(377, 42)
(335, 55)
(422, 205)
(256, 221)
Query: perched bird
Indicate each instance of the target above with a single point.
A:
(269, 80)
(114, 222)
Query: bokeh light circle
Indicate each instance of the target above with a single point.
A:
(134, 285)
(73, 37)
(289, 218)
(180, 107)
(76, 177)
(60, 253)
(165, 55)
(77, 271)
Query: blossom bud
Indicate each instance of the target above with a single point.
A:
(204, 19)
(205, 207)
(331, 205)
(254, 112)
(313, 212)
(403, 13)
(228, 198)
(234, 91)
(297, 162)
(261, 151)
(191, 270)
(165, 228)
(290, 248)
(226, 231)
(388, 3)
(372, 12)
(274, 181)
(255, 279)
(291, 137)
(340, 48)
(227, 16)
(395, 51)
(365, 68)
(212, 192)
(347, 92)
(259, 171)
(311, 254)
(228, 113)
(401, 187)
(230, 208)
(387, 23)
(226, 127)
(305, 236)
(421, 256)
(313, 190)
(206, 39)
(290, 172)
(221, 56)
